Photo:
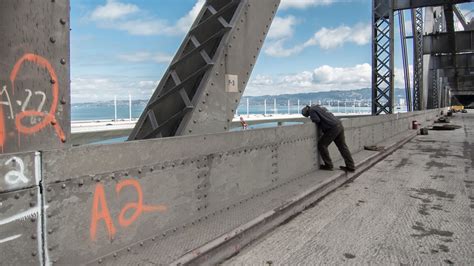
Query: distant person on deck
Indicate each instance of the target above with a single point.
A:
(332, 131)
(244, 124)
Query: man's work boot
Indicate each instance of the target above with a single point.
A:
(347, 169)
(325, 167)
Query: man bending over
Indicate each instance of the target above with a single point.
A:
(332, 131)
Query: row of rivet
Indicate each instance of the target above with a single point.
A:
(63, 61)
(206, 217)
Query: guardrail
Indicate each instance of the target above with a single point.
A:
(87, 132)
(102, 203)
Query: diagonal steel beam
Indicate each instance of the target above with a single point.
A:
(202, 87)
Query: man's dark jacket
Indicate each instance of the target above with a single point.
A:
(325, 119)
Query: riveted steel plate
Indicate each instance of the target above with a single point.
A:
(238, 58)
(236, 174)
(93, 215)
(191, 177)
(20, 232)
(17, 171)
(297, 156)
(34, 75)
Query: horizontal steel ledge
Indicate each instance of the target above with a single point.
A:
(411, 4)
(463, 93)
(456, 61)
(440, 43)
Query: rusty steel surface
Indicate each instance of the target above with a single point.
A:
(20, 228)
(202, 87)
(34, 75)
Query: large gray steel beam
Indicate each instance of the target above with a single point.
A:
(382, 57)
(445, 61)
(411, 4)
(201, 89)
(406, 69)
(34, 75)
(440, 42)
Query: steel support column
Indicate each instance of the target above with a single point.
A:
(382, 56)
(434, 102)
(406, 69)
(417, 21)
(34, 75)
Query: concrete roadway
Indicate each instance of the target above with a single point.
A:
(413, 208)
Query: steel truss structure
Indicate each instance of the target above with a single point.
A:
(382, 57)
(432, 94)
(417, 21)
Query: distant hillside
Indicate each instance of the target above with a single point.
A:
(339, 95)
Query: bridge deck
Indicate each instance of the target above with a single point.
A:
(415, 207)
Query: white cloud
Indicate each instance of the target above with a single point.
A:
(133, 20)
(324, 78)
(113, 10)
(104, 89)
(146, 57)
(282, 27)
(185, 22)
(326, 38)
(302, 4)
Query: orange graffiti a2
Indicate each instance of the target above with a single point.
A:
(138, 206)
(100, 210)
(49, 118)
(103, 214)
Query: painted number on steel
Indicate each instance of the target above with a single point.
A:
(45, 118)
(100, 210)
(232, 83)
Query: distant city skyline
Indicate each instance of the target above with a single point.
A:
(124, 46)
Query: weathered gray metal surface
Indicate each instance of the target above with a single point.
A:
(34, 75)
(145, 190)
(179, 180)
(412, 4)
(21, 210)
(202, 88)
(17, 171)
(440, 43)
(20, 227)
(461, 61)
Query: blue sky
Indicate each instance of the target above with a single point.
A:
(124, 46)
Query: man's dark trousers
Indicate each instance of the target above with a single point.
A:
(335, 134)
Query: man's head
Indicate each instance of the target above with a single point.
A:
(305, 111)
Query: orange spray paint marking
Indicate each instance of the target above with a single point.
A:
(103, 214)
(49, 118)
(138, 206)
